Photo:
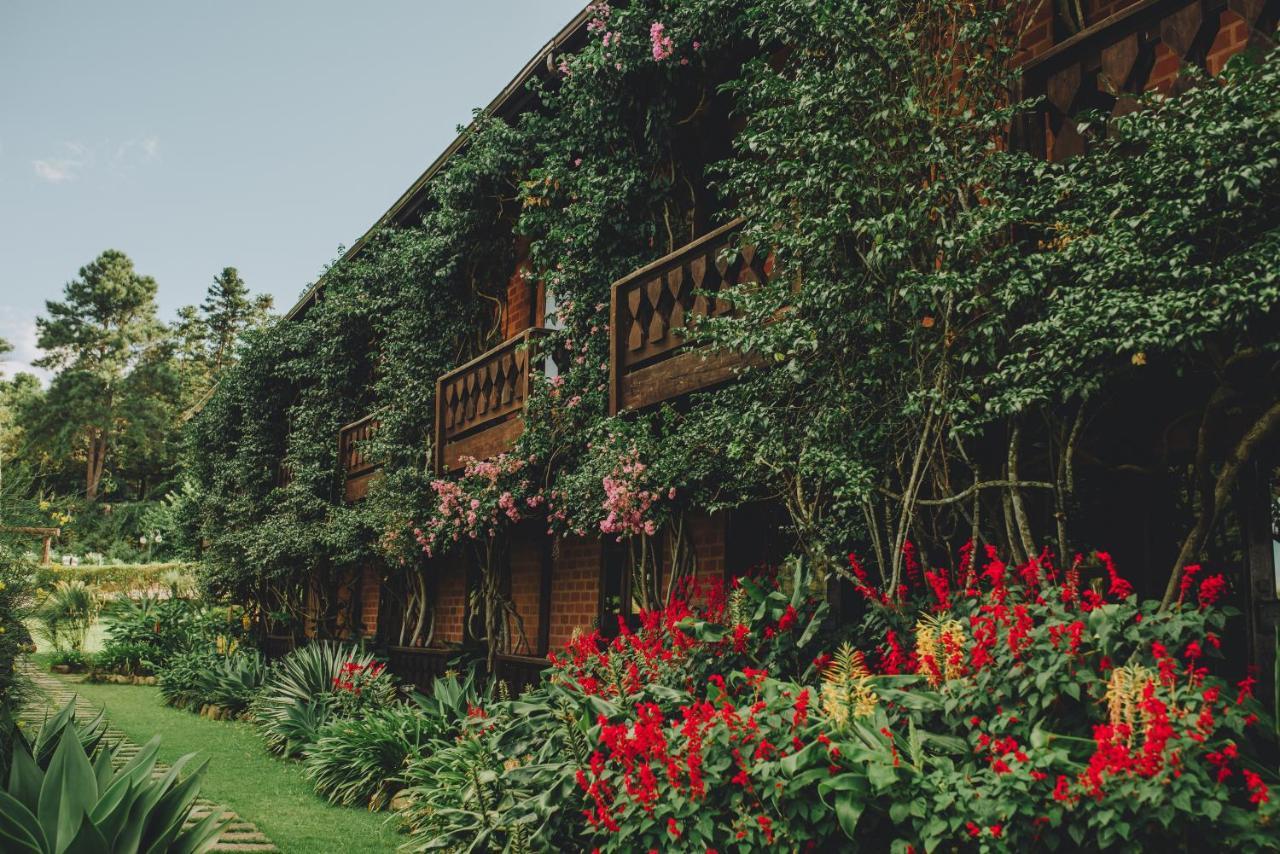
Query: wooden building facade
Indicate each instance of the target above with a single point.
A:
(1120, 48)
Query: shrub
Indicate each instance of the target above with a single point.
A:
(361, 761)
(985, 707)
(129, 658)
(236, 679)
(66, 613)
(128, 578)
(310, 685)
(15, 641)
(73, 804)
(145, 633)
(187, 680)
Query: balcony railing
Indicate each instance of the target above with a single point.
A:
(654, 306)
(479, 406)
(1107, 65)
(353, 452)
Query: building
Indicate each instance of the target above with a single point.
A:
(559, 585)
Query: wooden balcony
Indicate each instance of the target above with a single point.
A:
(652, 308)
(353, 453)
(479, 406)
(1141, 48)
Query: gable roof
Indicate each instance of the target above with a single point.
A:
(511, 101)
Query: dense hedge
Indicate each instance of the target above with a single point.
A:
(122, 578)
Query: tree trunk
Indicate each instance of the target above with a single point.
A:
(1194, 544)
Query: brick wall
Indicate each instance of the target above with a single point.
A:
(1233, 35)
(575, 588)
(707, 533)
(370, 595)
(520, 308)
(1038, 34)
(526, 587)
(451, 597)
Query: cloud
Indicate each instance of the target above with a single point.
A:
(121, 156)
(20, 331)
(57, 171)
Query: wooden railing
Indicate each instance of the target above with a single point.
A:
(1107, 65)
(479, 405)
(353, 447)
(654, 306)
(353, 452)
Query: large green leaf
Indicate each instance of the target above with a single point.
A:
(20, 830)
(68, 792)
(171, 811)
(88, 840)
(25, 778)
(848, 811)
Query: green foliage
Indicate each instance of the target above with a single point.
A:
(117, 578)
(359, 761)
(198, 677)
(143, 634)
(75, 804)
(305, 689)
(65, 614)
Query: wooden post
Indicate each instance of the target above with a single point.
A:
(46, 534)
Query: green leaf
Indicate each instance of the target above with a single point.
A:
(19, 828)
(68, 792)
(25, 778)
(848, 811)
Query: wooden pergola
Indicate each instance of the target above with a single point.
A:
(46, 534)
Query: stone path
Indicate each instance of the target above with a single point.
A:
(237, 835)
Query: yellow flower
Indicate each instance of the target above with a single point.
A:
(1139, 358)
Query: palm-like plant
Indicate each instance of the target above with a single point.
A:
(65, 615)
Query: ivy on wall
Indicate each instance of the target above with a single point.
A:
(947, 332)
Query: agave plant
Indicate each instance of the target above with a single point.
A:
(76, 805)
(236, 680)
(63, 721)
(301, 693)
(361, 761)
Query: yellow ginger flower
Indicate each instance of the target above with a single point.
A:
(1124, 694)
(847, 689)
(940, 645)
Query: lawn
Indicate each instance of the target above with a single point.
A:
(270, 792)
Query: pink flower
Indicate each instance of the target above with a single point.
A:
(660, 42)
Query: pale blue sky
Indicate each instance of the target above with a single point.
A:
(260, 135)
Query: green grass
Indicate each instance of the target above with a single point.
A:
(270, 792)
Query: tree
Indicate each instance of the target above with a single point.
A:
(229, 311)
(95, 337)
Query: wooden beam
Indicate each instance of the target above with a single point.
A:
(47, 535)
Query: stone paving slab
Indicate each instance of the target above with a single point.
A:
(237, 835)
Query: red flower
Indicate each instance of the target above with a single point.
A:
(673, 828)
(1188, 580)
(1258, 792)
(1245, 687)
(1062, 791)
(1211, 589)
(996, 831)
(1120, 588)
(766, 825)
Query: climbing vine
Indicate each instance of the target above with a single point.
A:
(959, 341)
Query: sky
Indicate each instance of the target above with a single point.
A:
(259, 135)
